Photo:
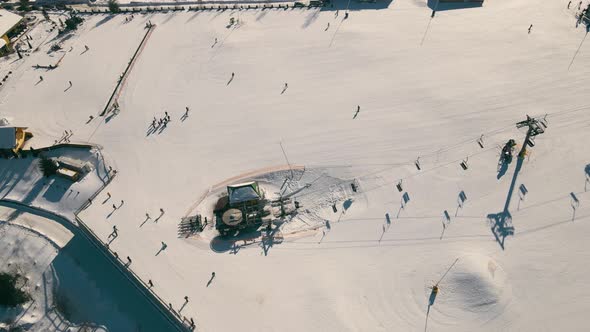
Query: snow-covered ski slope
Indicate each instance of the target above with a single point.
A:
(426, 88)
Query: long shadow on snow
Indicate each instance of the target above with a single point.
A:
(11, 177)
(57, 189)
(86, 276)
(440, 6)
(104, 20)
(90, 288)
(247, 237)
(356, 5)
(501, 222)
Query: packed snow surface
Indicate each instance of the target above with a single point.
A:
(426, 89)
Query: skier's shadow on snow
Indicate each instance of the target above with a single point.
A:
(155, 130)
(111, 213)
(151, 130)
(112, 238)
(183, 305)
(143, 223)
(161, 249)
(162, 127)
(210, 280)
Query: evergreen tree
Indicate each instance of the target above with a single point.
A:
(114, 6)
(24, 5)
(47, 166)
(11, 294)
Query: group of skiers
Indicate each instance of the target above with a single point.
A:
(162, 122)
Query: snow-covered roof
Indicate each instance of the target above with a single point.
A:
(7, 137)
(7, 21)
(243, 192)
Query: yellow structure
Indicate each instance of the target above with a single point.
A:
(20, 139)
(8, 21)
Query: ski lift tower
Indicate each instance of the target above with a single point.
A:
(536, 126)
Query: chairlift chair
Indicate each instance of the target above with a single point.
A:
(464, 164)
(543, 122)
(447, 216)
(399, 186)
(480, 141)
(537, 129)
(531, 142)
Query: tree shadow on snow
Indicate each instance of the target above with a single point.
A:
(169, 16)
(57, 189)
(311, 17)
(194, 16)
(103, 21)
(11, 177)
(261, 15)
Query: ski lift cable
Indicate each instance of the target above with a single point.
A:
(449, 269)
(487, 134)
(412, 175)
(450, 147)
(409, 176)
(422, 156)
